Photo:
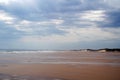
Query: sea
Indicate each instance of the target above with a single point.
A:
(59, 57)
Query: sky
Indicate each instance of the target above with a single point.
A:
(59, 24)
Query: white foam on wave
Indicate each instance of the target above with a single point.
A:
(35, 51)
(27, 51)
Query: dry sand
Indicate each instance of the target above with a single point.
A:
(52, 71)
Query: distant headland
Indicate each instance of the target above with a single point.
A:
(101, 50)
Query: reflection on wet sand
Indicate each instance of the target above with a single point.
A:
(15, 77)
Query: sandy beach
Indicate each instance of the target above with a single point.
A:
(59, 39)
(60, 65)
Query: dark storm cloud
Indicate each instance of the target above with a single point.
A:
(112, 19)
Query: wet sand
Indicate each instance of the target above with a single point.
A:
(68, 72)
(68, 65)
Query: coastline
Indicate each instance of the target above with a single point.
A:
(55, 66)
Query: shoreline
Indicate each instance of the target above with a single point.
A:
(60, 65)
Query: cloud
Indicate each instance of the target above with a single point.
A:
(44, 9)
(112, 19)
(96, 15)
(114, 3)
(78, 35)
(6, 18)
(25, 27)
(39, 27)
(59, 22)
